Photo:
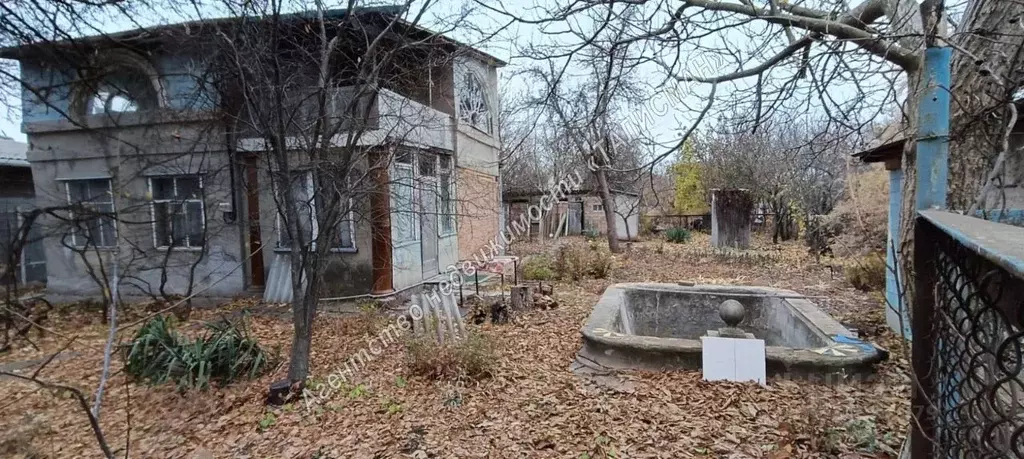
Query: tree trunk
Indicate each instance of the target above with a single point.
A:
(977, 113)
(730, 218)
(986, 71)
(521, 298)
(608, 202)
(303, 314)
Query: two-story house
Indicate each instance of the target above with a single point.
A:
(134, 129)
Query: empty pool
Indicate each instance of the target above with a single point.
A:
(659, 326)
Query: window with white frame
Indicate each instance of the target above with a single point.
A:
(93, 212)
(404, 199)
(445, 190)
(473, 106)
(179, 218)
(347, 225)
(301, 190)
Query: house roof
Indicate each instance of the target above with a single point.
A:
(154, 33)
(13, 153)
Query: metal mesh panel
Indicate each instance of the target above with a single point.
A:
(976, 373)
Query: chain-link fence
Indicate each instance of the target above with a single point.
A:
(968, 348)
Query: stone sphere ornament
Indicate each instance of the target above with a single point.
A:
(732, 312)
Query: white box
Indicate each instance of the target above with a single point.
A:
(732, 359)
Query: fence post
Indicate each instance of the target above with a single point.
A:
(933, 132)
(932, 167)
(922, 320)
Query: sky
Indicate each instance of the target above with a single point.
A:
(663, 116)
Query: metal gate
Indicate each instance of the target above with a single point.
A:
(968, 328)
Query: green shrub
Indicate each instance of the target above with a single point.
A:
(538, 268)
(225, 353)
(678, 235)
(867, 273)
(472, 357)
(591, 233)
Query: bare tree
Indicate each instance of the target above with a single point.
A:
(301, 91)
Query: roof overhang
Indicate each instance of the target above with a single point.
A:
(883, 153)
(156, 33)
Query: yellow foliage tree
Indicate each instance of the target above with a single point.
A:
(690, 195)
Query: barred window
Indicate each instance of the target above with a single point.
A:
(93, 215)
(473, 107)
(445, 190)
(405, 204)
(179, 219)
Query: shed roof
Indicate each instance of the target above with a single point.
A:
(13, 153)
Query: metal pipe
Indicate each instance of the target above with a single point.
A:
(515, 271)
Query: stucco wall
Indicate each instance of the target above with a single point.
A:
(593, 215)
(144, 150)
(346, 272)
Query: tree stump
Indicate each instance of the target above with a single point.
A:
(730, 218)
(521, 298)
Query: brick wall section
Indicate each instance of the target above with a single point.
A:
(478, 209)
(594, 218)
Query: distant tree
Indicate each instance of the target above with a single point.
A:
(690, 192)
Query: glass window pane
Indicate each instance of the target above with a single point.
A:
(106, 232)
(427, 164)
(162, 223)
(194, 223)
(163, 187)
(188, 188)
(178, 225)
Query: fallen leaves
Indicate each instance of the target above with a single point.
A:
(531, 406)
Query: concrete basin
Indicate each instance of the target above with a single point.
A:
(658, 327)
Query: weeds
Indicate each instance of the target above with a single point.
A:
(472, 357)
(867, 273)
(678, 235)
(579, 261)
(538, 268)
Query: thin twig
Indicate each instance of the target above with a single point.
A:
(93, 422)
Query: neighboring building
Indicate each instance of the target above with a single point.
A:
(17, 195)
(581, 211)
(145, 121)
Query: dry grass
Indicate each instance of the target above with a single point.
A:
(861, 218)
(471, 358)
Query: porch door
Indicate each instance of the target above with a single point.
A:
(575, 210)
(428, 224)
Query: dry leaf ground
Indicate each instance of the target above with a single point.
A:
(533, 406)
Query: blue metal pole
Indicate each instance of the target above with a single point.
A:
(933, 132)
(894, 306)
(932, 166)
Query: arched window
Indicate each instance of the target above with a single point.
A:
(473, 107)
(122, 90)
